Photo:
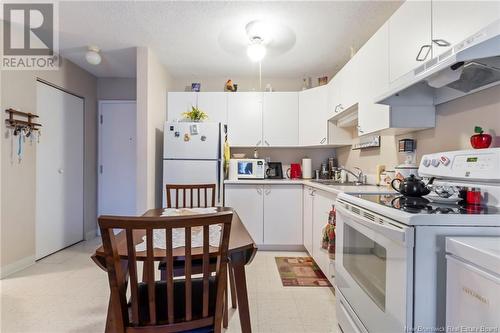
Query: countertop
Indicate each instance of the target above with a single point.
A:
(336, 189)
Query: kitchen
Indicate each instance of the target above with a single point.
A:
(305, 166)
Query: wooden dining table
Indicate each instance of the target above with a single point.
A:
(241, 252)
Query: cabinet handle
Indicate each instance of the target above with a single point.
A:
(441, 42)
(267, 143)
(258, 143)
(421, 52)
(259, 190)
(267, 191)
(360, 130)
(337, 108)
(322, 141)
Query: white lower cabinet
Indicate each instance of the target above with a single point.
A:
(322, 205)
(271, 213)
(247, 201)
(307, 218)
(282, 214)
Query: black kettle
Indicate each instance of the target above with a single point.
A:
(412, 186)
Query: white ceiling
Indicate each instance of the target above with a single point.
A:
(207, 38)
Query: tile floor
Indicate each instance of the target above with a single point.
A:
(67, 292)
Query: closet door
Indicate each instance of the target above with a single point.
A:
(59, 170)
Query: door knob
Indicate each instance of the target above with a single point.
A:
(60, 171)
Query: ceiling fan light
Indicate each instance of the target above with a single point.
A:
(256, 51)
(92, 55)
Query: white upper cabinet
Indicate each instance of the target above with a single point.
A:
(214, 104)
(374, 81)
(281, 119)
(410, 37)
(349, 93)
(244, 119)
(334, 95)
(454, 21)
(178, 103)
(313, 114)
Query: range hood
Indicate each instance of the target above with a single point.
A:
(467, 67)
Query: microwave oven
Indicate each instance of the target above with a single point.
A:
(246, 168)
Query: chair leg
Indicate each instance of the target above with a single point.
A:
(225, 317)
(231, 284)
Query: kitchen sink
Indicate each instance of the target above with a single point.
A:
(333, 182)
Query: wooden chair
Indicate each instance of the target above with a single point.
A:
(170, 305)
(202, 198)
(195, 195)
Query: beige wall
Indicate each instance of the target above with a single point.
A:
(116, 88)
(153, 82)
(18, 179)
(455, 121)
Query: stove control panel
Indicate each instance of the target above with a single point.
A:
(480, 164)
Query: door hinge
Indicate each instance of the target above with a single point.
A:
(100, 118)
(100, 168)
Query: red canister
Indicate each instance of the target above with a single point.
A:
(473, 196)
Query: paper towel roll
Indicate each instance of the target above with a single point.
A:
(306, 168)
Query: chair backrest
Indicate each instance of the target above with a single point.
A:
(193, 195)
(133, 231)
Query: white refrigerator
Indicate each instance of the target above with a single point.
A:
(192, 154)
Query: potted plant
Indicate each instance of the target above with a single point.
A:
(195, 114)
(480, 140)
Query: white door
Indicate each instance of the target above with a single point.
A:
(409, 37)
(472, 15)
(214, 104)
(178, 103)
(247, 201)
(308, 199)
(281, 119)
(244, 119)
(313, 109)
(283, 214)
(322, 206)
(59, 170)
(117, 158)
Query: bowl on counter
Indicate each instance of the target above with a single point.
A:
(239, 155)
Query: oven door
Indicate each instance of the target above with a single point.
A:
(374, 266)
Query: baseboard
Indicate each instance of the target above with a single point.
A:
(91, 234)
(281, 247)
(16, 266)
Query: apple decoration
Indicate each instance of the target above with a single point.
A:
(480, 140)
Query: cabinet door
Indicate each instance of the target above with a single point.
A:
(244, 119)
(283, 214)
(307, 219)
(313, 108)
(409, 37)
(215, 105)
(322, 205)
(281, 119)
(179, 102)
(454, 21)
(374, 81)
(247, 201)
(350, 80)
(334, 95)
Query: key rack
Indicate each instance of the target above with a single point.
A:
(19, 124)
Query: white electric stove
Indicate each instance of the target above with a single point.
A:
(390, 249)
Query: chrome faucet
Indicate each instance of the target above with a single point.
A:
(359, 177)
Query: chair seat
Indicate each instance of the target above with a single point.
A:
(179, 300)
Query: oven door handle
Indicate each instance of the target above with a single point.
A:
(391, 230)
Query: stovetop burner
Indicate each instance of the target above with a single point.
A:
(422, 205)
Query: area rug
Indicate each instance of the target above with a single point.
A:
(300, 272)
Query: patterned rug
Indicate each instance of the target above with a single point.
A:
(300, 272)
